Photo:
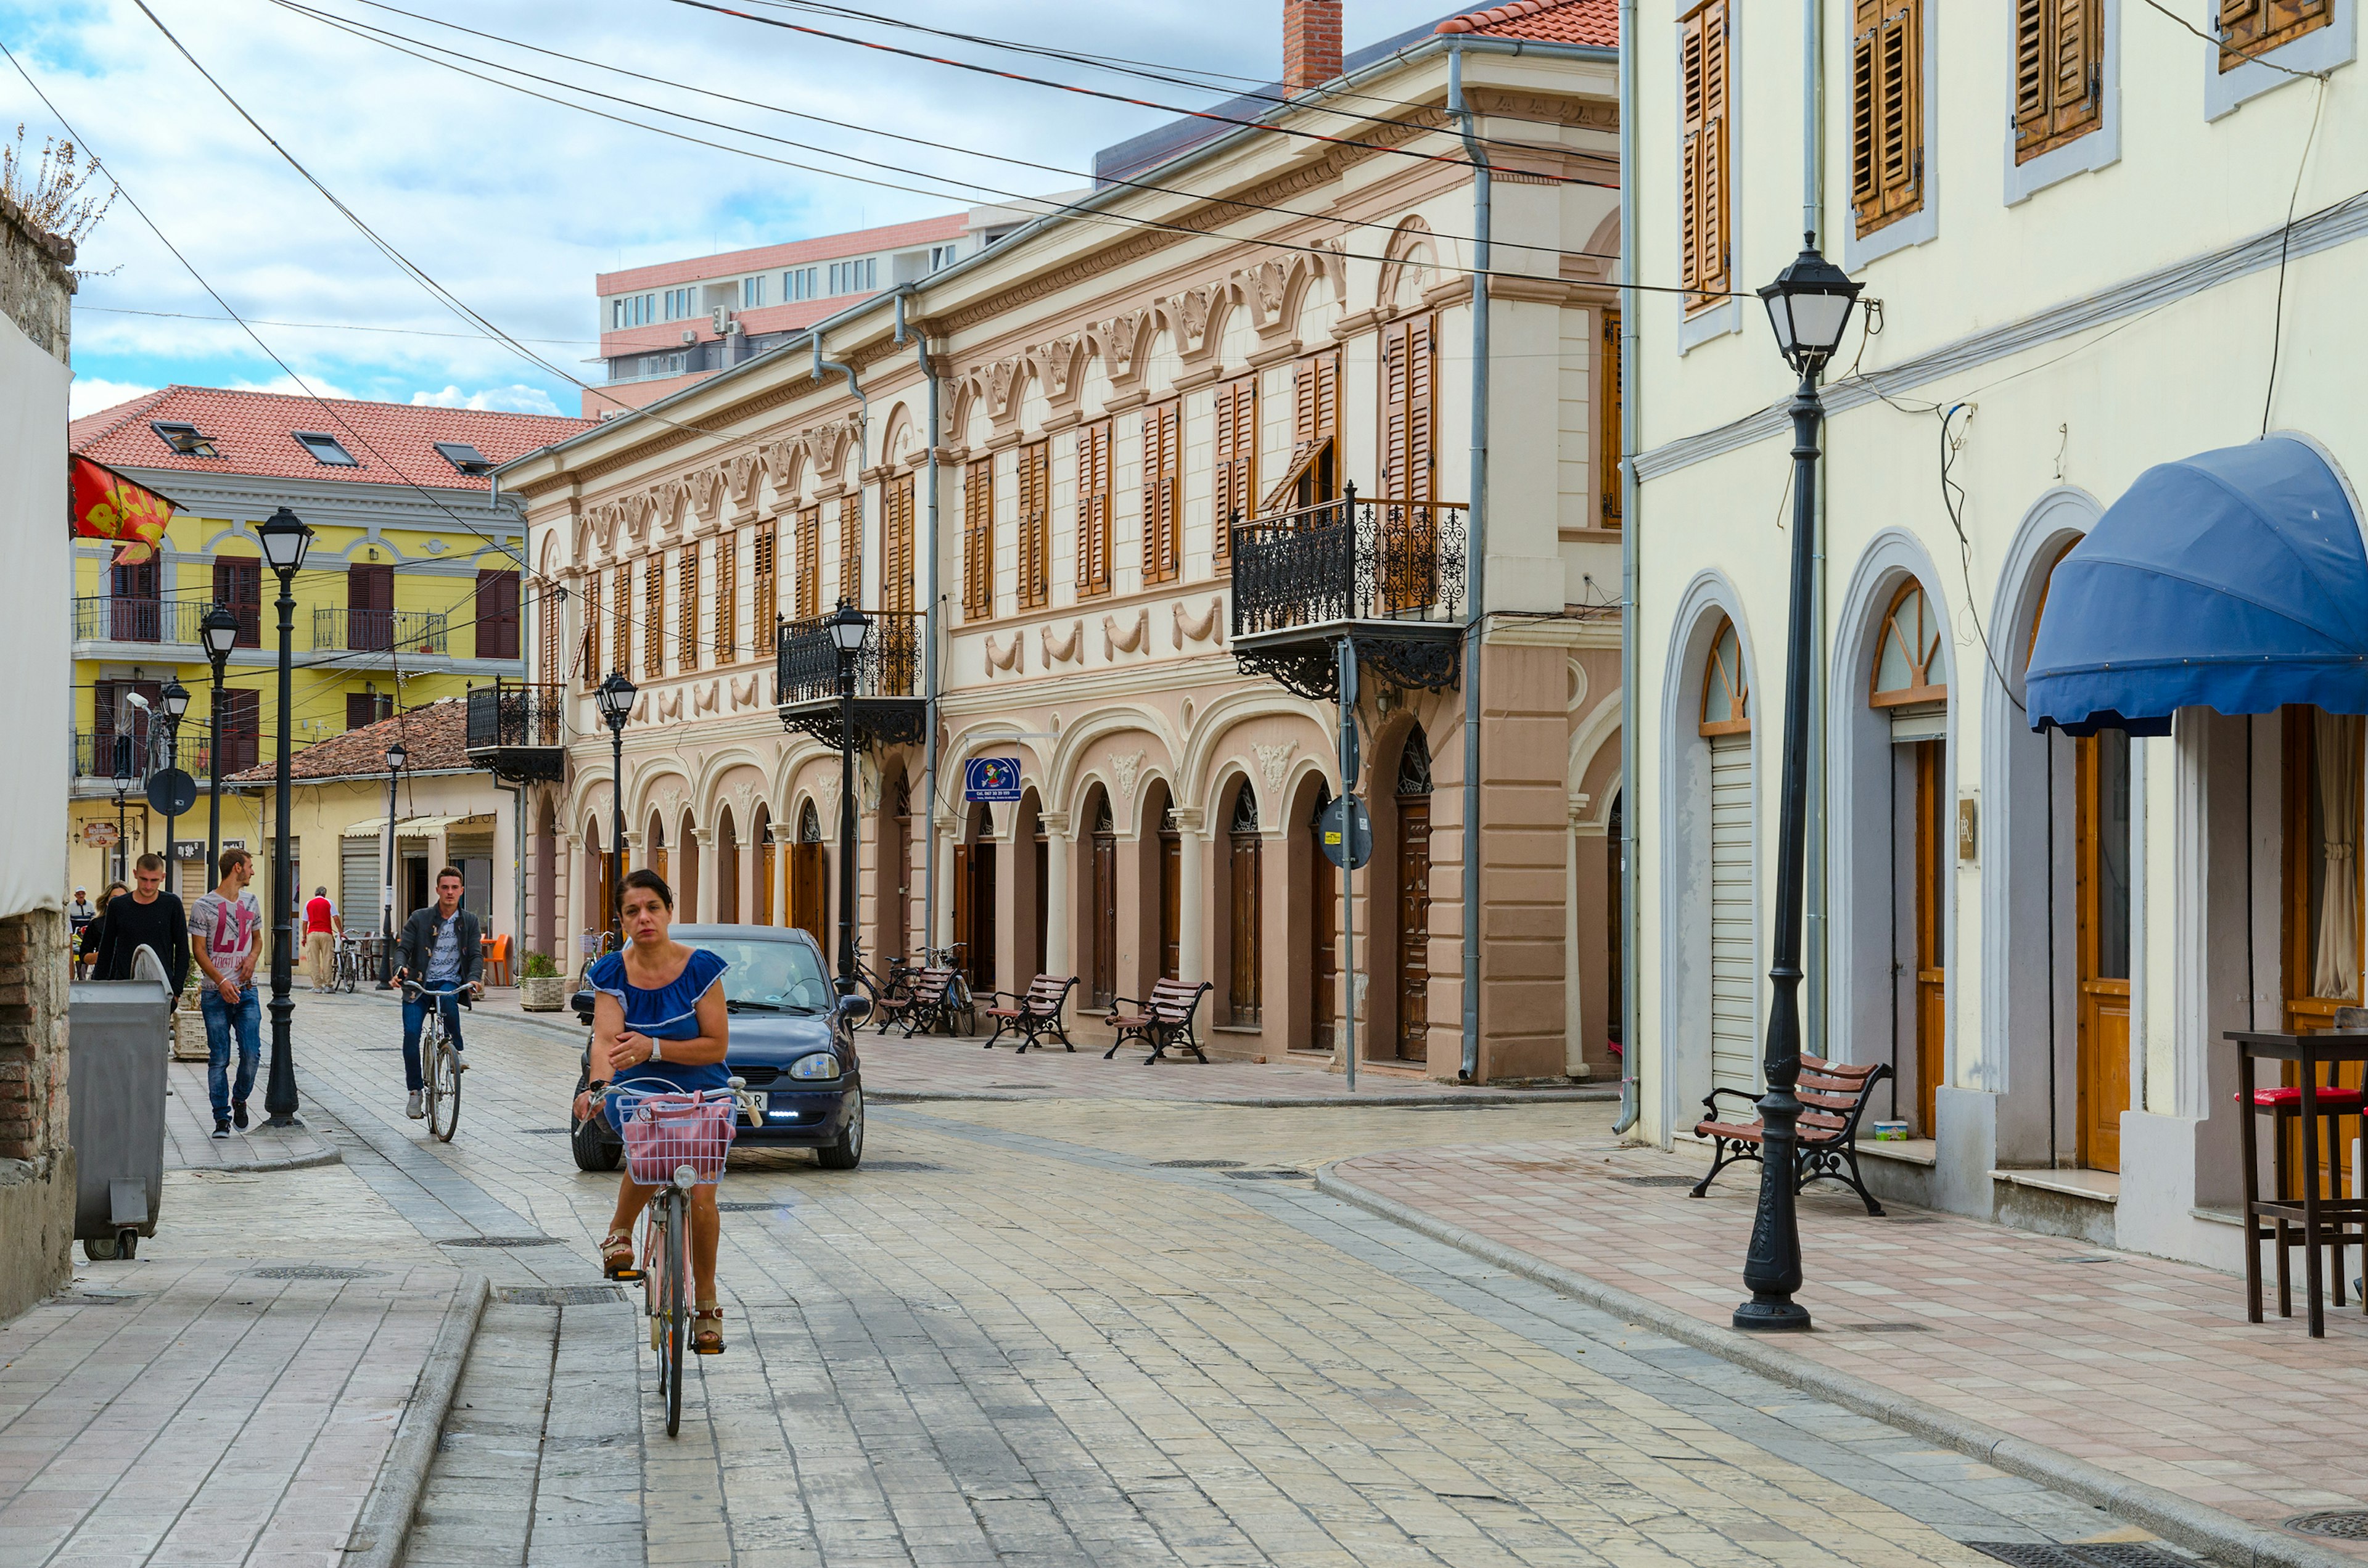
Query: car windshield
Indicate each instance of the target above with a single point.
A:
(771, 975)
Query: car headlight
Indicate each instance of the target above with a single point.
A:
(820, 1064)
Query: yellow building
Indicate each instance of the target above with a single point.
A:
(411, 592)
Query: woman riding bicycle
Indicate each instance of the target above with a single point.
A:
(658, 1027)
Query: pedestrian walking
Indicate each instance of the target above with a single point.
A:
(147, 916)
(322, 930)
(96, 931)
(226, 924)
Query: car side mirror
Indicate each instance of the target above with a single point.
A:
(582, 1002)
(855, 1007)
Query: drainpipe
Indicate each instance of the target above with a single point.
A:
(1477, 570)
(929, 644)
(1816, 892)
(1630, 520)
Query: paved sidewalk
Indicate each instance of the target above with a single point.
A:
(2143, 1367)
(948, 1067)
(190, 1145)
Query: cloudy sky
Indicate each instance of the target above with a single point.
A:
(513, 203)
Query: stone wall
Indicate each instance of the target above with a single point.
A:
(35, 285)
(36, 1180)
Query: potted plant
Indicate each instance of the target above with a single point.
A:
(541, 988)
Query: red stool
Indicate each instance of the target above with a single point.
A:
(2284, 1106)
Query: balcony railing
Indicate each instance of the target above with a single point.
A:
(888, 698)
(1353, 559)
(378, 630)
(94, 754)
(108, 619)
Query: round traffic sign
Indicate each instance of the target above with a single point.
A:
(1346, 833)
(172, 791)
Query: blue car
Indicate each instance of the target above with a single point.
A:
(792, 1040)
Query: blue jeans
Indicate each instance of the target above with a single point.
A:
(415, 1013)
(245, 1015)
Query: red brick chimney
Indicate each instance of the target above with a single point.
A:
(1310, 43)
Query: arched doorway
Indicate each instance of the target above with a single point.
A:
(1039, 894)
(1725, 726)
(810, 878)
(768, 863)
(974, 898)
(597, 876)
(727, 868)
(1412, 1040)
(1171, 885)
(686, 892)
(653, 851)
(1101, 902)
(1245, 878)
(1322, 952)
(1908, 685)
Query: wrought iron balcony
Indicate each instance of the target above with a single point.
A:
(378, 630)
(109, 619)
(518, 731)
(94, 755)
(889, 705)
(1387, 575)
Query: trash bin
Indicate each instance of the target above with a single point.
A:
(118, 1034)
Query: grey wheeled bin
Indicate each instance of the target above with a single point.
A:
(119, 1034)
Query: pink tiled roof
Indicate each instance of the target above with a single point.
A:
(1591, 22)
(392, 443)
(730, 263)
(436, 736)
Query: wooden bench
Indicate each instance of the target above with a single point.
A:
(1833, 1095)
(1162, 1021)
(921, 1008)
(1034, 1013)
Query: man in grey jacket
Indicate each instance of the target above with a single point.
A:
(440, 953)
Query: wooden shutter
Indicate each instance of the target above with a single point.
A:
(978, 539)
(1237, 463)
(1094, 508)
(1705, 250)
(765, 583)
(653, 616)
(497, 615)
(1608, 415)
(238, 588)
(2058, 72)
(370, 608)
(851, 547)
(1408, 372)
(685, 631)
(2252, 28)
(809, 563)
(1035, 524)
(546, 634)
(896, 584)
(1162, 493)
(621, 621)
(1886, 111)
(590, 657)
(727, 596)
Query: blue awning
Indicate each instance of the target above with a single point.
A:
(2233, 580)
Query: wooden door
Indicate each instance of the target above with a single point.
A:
(369, 609)
(768, 866)
(727, 871)
(1043, 905)
(1243, 990)
(2321, 945)
(1323, 951)
(962, 933)
(1171, 877)
(1413, 928)
(1931, 927)
(981, 953)
(897, 940)
(2101, 791)
(809, 890)
(134, 610)
(1103, 980)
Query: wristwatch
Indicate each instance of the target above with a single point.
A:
(657, 1054)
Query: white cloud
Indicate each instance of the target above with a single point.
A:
(89, 394)
(515, 398)
(311, 386)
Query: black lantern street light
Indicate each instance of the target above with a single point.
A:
(1809, 305)
(396, 755)
(615, 698)
(219, 632)
(849, 628)
(175, 700)
(285, 538)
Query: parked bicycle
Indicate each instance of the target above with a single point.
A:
(439, 1063)
(960, 1003)
(346, 965)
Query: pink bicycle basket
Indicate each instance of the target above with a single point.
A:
(664, 1132)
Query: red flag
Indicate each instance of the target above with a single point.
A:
(105, 505)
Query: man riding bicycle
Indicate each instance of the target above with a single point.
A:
(440, 953)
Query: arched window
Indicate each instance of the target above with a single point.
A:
(1727, 692)
(1908, 653)
(1414, 766)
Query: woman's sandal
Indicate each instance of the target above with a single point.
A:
(617, 1256)
(707, 1341)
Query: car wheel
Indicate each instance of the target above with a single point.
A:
(847, 1153)
(590, 1142)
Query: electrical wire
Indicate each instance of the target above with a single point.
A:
(2285, 250)
(335, 326)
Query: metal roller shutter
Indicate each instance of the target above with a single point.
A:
(1733, 982)
(360, 887)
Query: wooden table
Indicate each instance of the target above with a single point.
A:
(2310, 1051)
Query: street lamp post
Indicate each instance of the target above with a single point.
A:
(396, 755)
(284, 538)
(219, 632)
(848, 627)
(615, 698)
(1809, 304)
(176, 699)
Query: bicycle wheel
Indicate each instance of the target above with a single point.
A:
(431, 1041)
(444, 1091)
(678, 1314)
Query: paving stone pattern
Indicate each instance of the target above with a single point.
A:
(190, 1143)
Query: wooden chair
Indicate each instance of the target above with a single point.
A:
(1163, 1020)
(1833, 1096)
(1034, 1013)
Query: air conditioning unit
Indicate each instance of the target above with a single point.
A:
(725, 323)
(690, 335)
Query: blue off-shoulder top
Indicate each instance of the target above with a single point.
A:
(670, 1012)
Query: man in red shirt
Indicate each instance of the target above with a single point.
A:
(322, 928)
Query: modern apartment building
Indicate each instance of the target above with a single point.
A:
(411, 592)
(667, 325)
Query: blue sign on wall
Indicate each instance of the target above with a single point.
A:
(991, 779)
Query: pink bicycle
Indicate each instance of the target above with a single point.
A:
(674, 1142)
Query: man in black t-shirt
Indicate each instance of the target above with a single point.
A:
(146, 917)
